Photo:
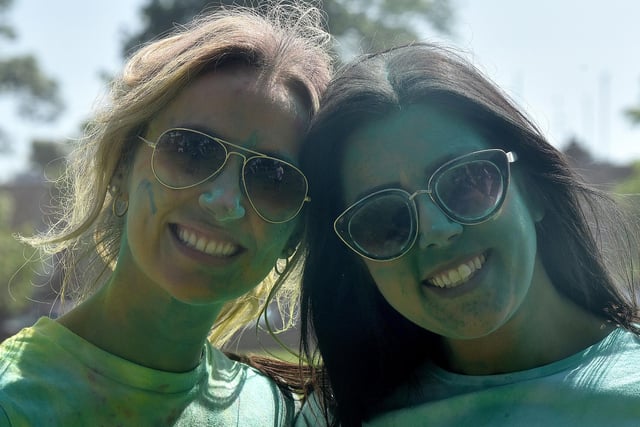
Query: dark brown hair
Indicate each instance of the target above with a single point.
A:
(366, 347)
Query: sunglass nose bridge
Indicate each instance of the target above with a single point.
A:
(419, 192)
(229, 167)
(236, 153)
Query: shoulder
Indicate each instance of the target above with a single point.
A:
(239, 373)
(311, 413)
(4, 420)
(597, 386)
(254, 392)
(30, 362)
(30, 344)
(620, 349)
(614, 363)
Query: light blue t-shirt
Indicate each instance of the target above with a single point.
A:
(599, 386)
(51, 377)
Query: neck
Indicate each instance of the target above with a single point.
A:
(143, 327)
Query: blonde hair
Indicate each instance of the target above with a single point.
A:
(285, 41)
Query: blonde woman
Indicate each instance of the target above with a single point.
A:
(181, 199)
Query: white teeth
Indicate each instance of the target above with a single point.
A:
(458, 275)
(454, 276)
(202, 244)
(220, 248)
(477, 263)
(465, 271)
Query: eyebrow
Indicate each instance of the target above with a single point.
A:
(204, 129)
(427, 172)
(214, 134)
(385, 186)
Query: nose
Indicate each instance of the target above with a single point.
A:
(222, 195)
(435, 229)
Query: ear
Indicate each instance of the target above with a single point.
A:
(118, 182)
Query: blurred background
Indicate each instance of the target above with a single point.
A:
(572, 65)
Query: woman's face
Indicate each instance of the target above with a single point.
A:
(206, 244)
(487, 268)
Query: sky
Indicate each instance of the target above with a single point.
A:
(571, 65)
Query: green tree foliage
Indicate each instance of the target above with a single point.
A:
(48, 156)
(633, 114)
(36, 94)
(631, 185)
(5, 29)
(357, 24)
(629, 189)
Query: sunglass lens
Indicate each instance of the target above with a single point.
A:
(183, 158)
(470, 192)
(382, 227)
(276, 189)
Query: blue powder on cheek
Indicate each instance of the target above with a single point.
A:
(146, 185)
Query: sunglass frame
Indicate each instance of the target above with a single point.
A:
(237, 150)
(342, 223)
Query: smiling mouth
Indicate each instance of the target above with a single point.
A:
(204, 244)
(458, 275)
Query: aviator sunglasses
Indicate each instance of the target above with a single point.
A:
(183, 158)
(469, 190)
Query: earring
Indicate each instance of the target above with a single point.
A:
(120, 205)
(286, 255)
(286, 265)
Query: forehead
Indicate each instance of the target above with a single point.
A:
(404, 147)
(241, 106)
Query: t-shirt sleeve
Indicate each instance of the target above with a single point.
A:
(310, 415)
(4, 419)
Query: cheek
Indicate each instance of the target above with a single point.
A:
(518, 220)
(390, 279)
(149, 202)
(271, 239)
(146, 194)
(147, 198)
(517, 253)
(139, 219)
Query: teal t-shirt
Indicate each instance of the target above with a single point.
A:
(597, 387)
(51, 377)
